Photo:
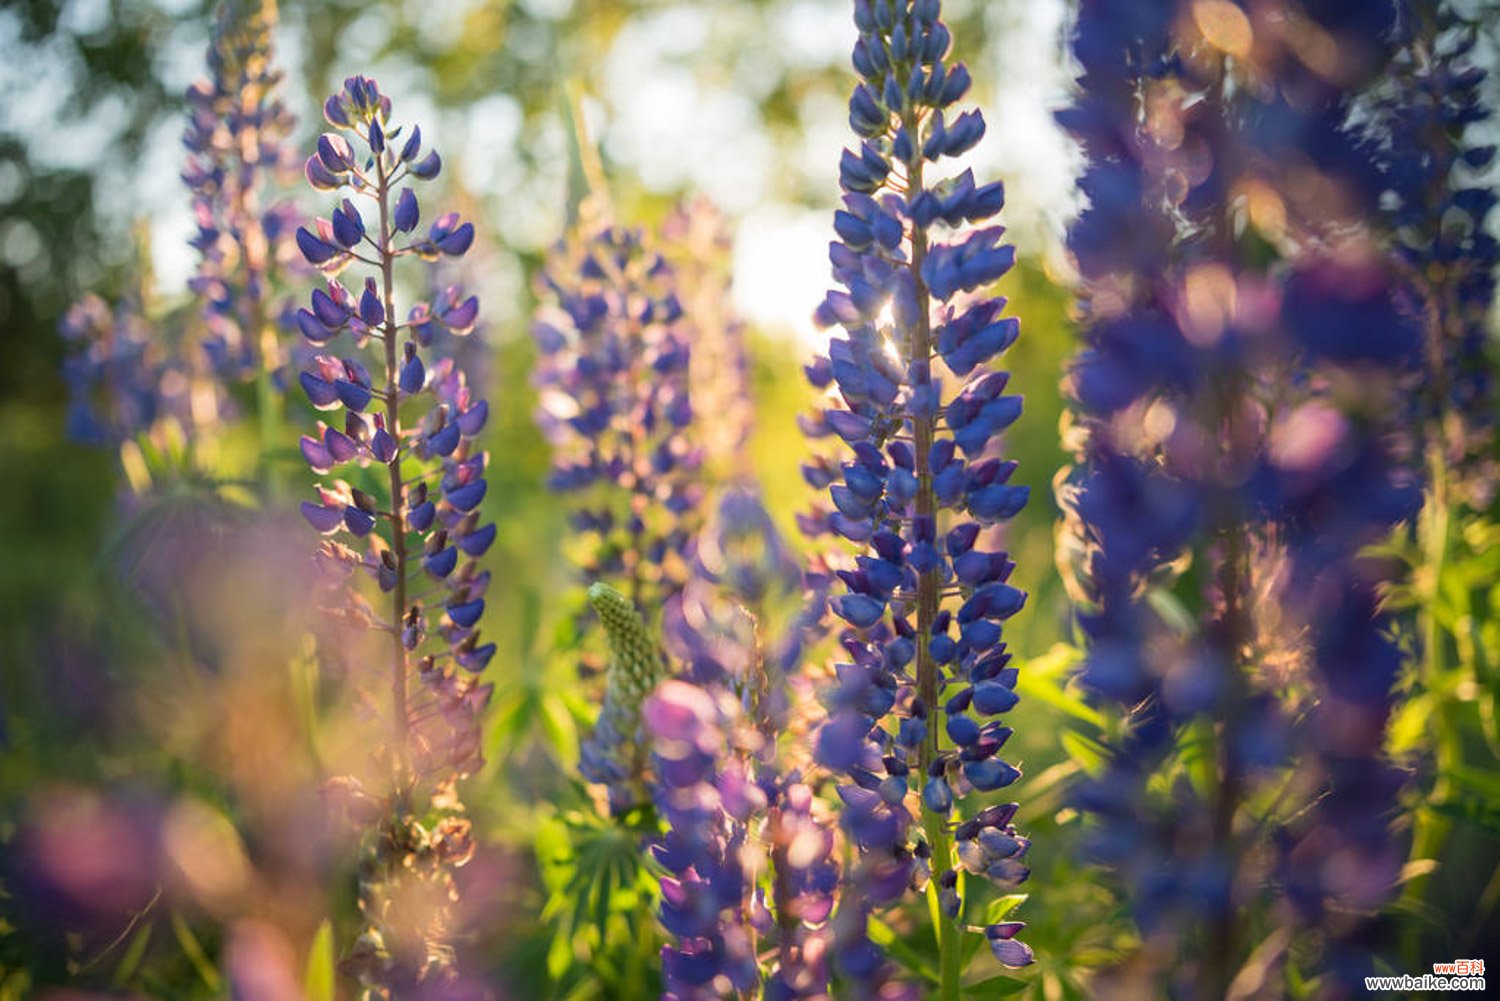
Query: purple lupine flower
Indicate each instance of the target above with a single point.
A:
(704, 900)
(919, 484)
(429, 475)
(236, 142)
(739, 628)
(1218, 424)
(725, 802)
(613, 381)
(733, 607)
(696, 239)
(746, 602)
(128, 373)
(114, 371)
(1424, 137)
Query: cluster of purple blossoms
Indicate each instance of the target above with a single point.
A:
(1243, 352)
(1441, 211)
(733, 613)
(408, 441)
(751, 867)
(130, 369)
(613, 383)
(114, 371)
(236, 142)
(733, 609)
(688, 732)
(697, 241)
(921, 487)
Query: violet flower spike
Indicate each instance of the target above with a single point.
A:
(237, 146)
(917, 484)
(613, 381)
(1229, 436)
(425, 530)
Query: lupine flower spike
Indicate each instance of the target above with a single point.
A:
(408, 445)
(137, 368)
(614, 755)
(1232, 402)
(1440, 212)
(1429, 135)
(236, 143)
(113, 372)
(917, 486)
(613, 382)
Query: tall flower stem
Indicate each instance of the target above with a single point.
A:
(399, 724)
(913, 262)
(934, 825)
(1233, 633)
(1431, 828)
(1220, 966)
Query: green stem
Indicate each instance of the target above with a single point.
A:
(950, 956)
(1431, 829)
(1220, 964)
(929, 599)
(1233, 635)
(399, 722)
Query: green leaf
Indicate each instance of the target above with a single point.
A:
(531, 622)
(1486, 784)
(995, 987)
(1471, 811)
(131, 960)
(319, 978)
(559, 955)
(1409, 726)
(561, 730)
(1001, 906)
(193, 949)
(1045, 680)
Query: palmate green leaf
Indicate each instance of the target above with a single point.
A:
(607, 859)
(596, 879)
